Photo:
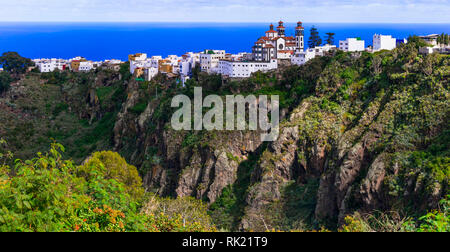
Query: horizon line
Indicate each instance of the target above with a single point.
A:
(213, 22)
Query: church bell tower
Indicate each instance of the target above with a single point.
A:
(299, 36)
(281, 29)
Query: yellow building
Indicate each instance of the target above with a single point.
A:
(75, 64)
(165, 66)
(137, 56)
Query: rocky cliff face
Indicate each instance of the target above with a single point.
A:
(343, 147)
(358, 133)
(198, 164)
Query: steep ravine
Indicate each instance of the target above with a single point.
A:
(359, 133)
(342, 154)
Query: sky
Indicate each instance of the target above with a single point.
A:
(339, 11)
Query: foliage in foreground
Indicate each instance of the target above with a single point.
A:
(49, 194)
(434, 221)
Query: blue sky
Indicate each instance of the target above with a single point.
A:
(371, 11)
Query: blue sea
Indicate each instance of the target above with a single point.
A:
(99, 41)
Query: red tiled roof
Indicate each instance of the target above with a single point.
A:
(286, 51)
(271, 31)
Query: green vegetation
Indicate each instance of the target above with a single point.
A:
(139, 108)
(330, 38)
(13, 63)
(228, 209)
(48, 194)
(5, 81)
(394, 104)
(434, 221)
(443, 39)
(314, 39)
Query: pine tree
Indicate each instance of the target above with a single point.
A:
(314, 38)
(330, 38)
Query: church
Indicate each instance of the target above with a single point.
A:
(276, 45)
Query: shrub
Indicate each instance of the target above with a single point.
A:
(113, 166)
(49, 194)
(139, 108)
(437, 220)
(5, 81)
(185, 210)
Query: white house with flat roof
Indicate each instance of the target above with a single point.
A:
(383, 42)
(209, 60)
(150, 73)
(301, 57)
(50, 65)
(86, 66)
(352, 45)
(243, 69)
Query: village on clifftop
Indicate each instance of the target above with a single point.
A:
(268, 53)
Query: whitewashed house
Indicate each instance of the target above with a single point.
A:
(301, 57)
(86, 66)
(243, 69)
(209, 60)
(383, 42)
(50, 65)
(189, 60)
(352, 45)
(150, 73)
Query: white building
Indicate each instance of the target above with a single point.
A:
(240, 69)
(209, 60)
(301, 57)
(430, 39)
(138, 60)
(86, 66)
(189, 61)
(150, 73)
(352, 45)
(50, 65)
(434, 49)
(383, 42)
(112, 62)
(175, 63)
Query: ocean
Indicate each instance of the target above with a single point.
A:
(99, 41)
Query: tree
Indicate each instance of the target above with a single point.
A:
(5, 81)
(14, 63)
(314, 38)
(50, 194)
(330, 38)
(418, 42)
(440, 39)
(115, 167)
(443, 39)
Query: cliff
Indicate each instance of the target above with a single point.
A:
(359, 132)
